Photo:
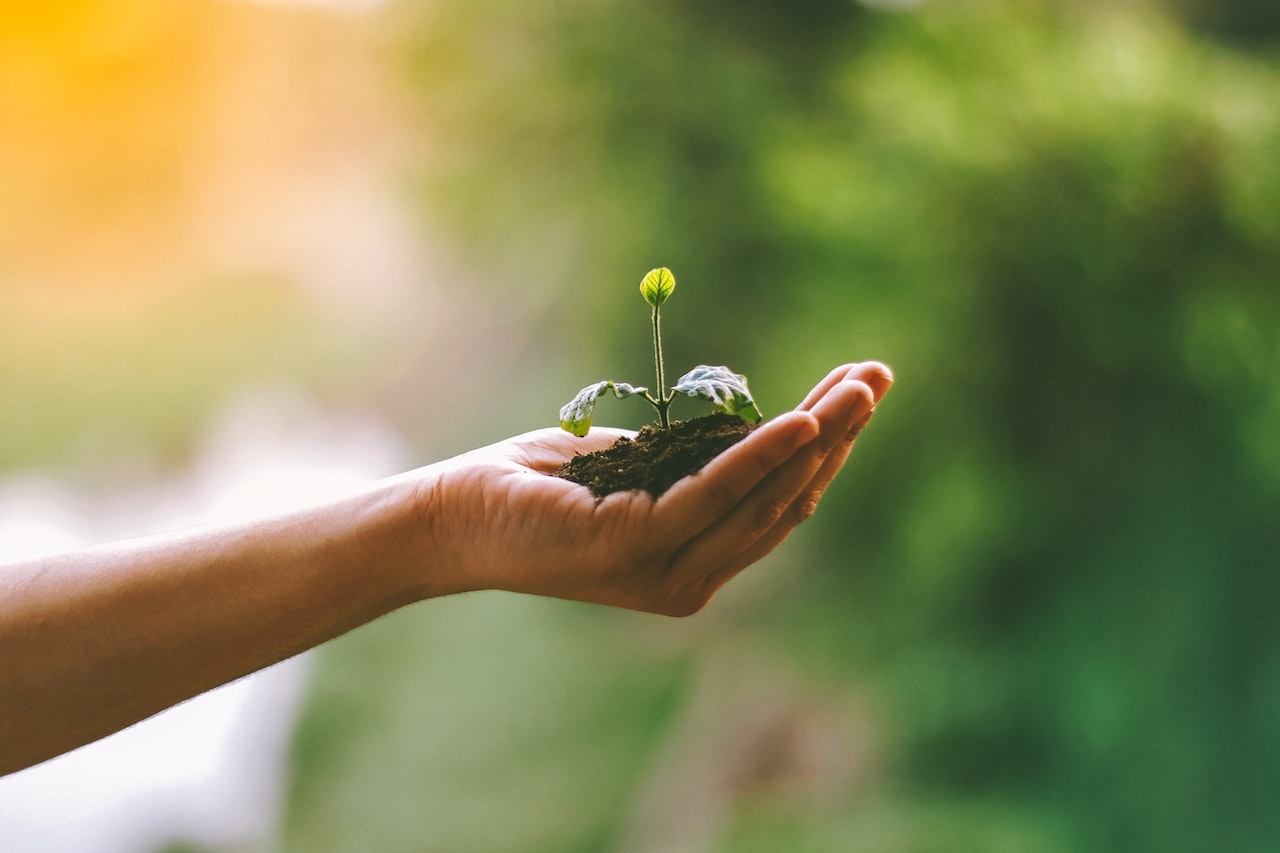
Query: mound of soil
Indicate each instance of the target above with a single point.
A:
(656, 458)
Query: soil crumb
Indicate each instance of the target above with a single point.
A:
(656, 458)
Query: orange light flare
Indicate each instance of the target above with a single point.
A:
(147, 145)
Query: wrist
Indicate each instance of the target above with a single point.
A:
(422, 564)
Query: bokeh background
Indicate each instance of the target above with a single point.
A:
(1037, 613)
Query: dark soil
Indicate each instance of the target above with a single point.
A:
(656, 458)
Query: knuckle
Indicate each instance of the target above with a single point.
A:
(720, 498)
(804, 508)
(767, 516)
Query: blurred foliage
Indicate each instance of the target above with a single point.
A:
(484, 725)
(1052, 565)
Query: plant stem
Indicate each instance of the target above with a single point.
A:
(664, 402)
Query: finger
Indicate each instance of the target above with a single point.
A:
(799, 511)
(820, 390)
(836, 458)
(879, 379)
(875, 374)
(770, 510)
(698, 501)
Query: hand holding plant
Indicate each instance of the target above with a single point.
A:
(514, 528)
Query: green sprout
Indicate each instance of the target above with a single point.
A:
(720, 385)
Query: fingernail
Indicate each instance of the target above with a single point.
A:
(875, 375)
(885, 382)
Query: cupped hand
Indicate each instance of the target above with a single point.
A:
(503, 522)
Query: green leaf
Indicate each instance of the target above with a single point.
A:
(657, 285)
(726, 389)
(575, 415)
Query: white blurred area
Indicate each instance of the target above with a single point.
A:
(210, 773)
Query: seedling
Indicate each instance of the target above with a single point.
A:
(720, 385)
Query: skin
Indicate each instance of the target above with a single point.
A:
(95, 640)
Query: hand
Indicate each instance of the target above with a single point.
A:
(500, 522)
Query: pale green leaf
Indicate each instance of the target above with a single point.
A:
(575, 416)
(726, 389)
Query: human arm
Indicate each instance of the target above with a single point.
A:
(95, 640)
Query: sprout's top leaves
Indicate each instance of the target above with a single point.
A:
(657, 285)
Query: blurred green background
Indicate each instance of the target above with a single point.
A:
(1038, 611)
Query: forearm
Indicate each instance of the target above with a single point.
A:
(93, 641)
